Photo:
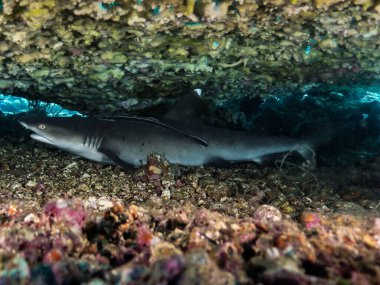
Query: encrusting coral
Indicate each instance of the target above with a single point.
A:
(104, 51)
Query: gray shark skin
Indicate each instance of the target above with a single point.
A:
(179, 137)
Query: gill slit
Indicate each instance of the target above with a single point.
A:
(99, 142)
(93, 142)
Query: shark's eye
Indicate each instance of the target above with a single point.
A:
(41, 126)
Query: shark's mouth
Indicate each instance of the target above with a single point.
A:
(40, 138)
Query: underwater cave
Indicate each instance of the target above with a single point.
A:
(190, 142)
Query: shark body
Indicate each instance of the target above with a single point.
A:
(179, 137)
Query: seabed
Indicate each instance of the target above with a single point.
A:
(65, 220)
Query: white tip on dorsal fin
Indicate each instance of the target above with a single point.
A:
(198, 91)
(186, 108)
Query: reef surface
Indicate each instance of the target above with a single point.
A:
(94, 56)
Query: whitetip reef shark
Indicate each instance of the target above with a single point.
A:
(179, 136)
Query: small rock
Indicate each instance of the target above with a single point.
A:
(95, 281)
(52, 256)
(163, 250)
(98, 186)
(104, 204)
(310, 220)
(31, 184)
(201, 269)
(154, 170)
(70, 212)
(16, 185)
(32, 218)
(273, 277)
(71, 165)
(15, 271)
(328, 44)
(370, 241)
(166, 195)
(156, 165)
(267, 214)
(84, 187)
(86, 175)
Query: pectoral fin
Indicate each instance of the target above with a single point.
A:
(115, 158)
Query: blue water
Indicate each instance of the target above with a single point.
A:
(12, 105)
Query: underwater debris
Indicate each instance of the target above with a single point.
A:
(243, 61)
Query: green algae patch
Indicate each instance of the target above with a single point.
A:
(38, 12)
(113, 57)
(107, 75)
(40, 73)
(6, 84)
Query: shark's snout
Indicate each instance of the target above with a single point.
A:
(36, 133)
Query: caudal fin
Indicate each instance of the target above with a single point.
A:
(306, 151)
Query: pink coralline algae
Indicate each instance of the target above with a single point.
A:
(69, 244)
(69, 212)
(311, 220)
(144, 236)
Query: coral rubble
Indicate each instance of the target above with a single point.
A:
(135, 245)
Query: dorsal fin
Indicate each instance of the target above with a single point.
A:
(153, 122)
(186, 108)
